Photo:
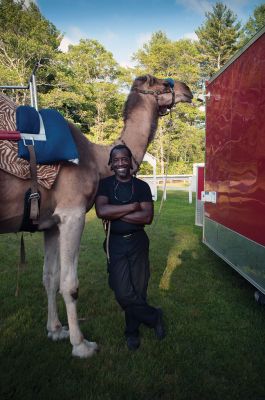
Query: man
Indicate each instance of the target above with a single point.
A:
(126, 202)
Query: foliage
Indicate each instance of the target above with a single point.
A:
(218, 38)
(254, 23)
(179, 60)
(25, 38)
(179, 142)
(84, 86)
(166, 58)
(89, 88)
(89, 61)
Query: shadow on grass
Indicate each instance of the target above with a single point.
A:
(214, 347)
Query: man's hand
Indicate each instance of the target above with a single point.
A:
(143, 215)
(136, 206)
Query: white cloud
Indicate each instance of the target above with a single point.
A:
(143, 38)
(73, 36)
(198, 6)
(27, 2)
(127, 63)
(202, 6)
(190, 35)
(64, 44)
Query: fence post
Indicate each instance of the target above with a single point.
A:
(190, 190)
(164, 188)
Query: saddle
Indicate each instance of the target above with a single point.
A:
(9, 160)
(47, 132)
(32, 145)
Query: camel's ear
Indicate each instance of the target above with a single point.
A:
(151, 80)
(140, 80)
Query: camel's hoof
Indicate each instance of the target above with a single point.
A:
(85, 349)
(60, 334)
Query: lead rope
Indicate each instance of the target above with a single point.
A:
(106, 226)
(34, 196)
(107, 241)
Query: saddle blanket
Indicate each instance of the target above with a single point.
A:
(11, 163)
(9, 160)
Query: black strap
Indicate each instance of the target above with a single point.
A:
(34, 197)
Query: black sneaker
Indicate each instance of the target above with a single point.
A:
(159, 327)
(133, 342)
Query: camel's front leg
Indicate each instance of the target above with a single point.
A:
(71, 228)
(51, 280)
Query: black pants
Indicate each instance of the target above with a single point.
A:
(128, 277)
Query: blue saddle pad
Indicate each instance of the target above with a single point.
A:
(27, 119)
(59, 145)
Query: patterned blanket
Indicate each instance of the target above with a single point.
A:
(9, 161)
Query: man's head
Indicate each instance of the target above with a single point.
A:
(120, 161)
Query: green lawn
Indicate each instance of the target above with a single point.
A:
(215, 342)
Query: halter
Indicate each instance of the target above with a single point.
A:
(156, 93)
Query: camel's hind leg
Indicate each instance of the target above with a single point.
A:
(71, 228)
(51, 280)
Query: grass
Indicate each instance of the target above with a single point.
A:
(215, 342)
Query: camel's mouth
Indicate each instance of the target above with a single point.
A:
(189, 98)
(179, 98)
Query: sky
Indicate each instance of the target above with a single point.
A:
(123, 26)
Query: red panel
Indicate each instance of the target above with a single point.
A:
(235, 144)
(200, 182)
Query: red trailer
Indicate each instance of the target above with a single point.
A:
(234, 197)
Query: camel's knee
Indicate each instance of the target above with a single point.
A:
(71, 216)
(75, 294)
(69, 290)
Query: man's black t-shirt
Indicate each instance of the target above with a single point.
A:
(119, 193)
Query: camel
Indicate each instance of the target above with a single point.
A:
(64, 206)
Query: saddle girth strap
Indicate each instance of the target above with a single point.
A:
(34, 197)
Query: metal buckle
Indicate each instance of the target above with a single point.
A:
(25, 144)
(34, 196)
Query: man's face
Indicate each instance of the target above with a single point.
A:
(121, 164)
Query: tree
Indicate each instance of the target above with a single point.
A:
(218, 38)
(84, 88)
(179, 60)
(25, 38)
(255, 23)
(163, 57)
(90, 61)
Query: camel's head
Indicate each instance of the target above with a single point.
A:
(166, 91)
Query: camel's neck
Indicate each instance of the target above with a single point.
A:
(137, 132)
(138, 129)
